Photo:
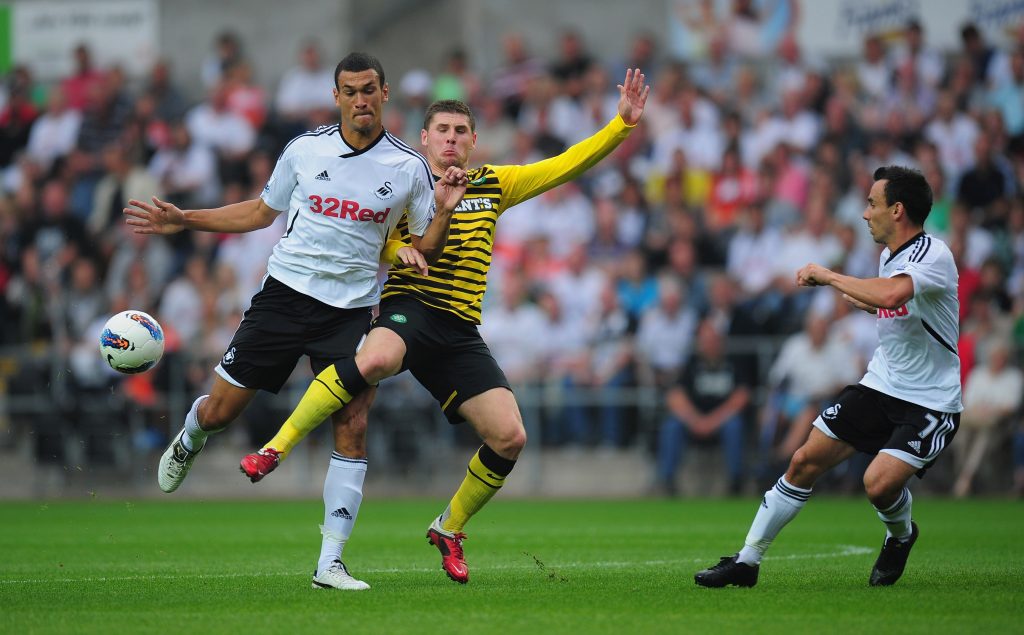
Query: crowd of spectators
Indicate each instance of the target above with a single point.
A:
(742, 170)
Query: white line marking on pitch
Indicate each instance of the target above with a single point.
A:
(843, 551)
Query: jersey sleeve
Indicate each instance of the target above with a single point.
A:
(421, 201)
(521, 182)
(931, 271)
(277, 193)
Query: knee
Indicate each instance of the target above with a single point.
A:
(377, 365)
(881, 491)
(510, 440)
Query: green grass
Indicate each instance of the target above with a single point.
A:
(538, 567)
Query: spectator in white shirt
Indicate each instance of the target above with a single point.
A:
(187, 171)
(304, 94)
(511, 331)
(811, 368)
(213, 124)
(992, 395)
(665, 336)
(873, 70)
(55, 132)
(954, 134)
(750, 261)
(927, 62)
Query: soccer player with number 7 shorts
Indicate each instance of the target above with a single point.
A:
(906, 408)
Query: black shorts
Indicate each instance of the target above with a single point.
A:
(280, 326)
(444, 352)
(874, 422)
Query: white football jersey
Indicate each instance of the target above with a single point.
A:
(916, 359)
(342, 206)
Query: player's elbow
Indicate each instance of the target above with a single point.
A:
(432, 255)
(895, 299)
(897, 293)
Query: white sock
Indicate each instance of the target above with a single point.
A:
(343, 491)
(194, 437)
(780, 505)
(897, 517)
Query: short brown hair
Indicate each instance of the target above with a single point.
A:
(453, 106)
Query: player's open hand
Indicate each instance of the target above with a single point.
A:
(633, 93)
(159, 218)
(449, 190)
(412, 258)
(813, 275)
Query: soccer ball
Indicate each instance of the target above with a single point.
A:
(132, 342)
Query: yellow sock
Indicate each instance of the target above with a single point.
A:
(324, 396)
(479, 486)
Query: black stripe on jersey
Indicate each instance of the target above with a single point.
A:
(487, 190)
(355, 153)
(291, 225)
(312, 133)
(404, 148)
(904, 246)
(425, 298)
(477, 260)
(938, 339)
(453, 276)
(927, 242)
(480, 250)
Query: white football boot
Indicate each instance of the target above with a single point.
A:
(175, 464)
(336, 576)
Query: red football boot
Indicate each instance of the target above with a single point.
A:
(259, 464)
(450, 546)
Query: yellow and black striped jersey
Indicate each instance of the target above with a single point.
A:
(456, 282)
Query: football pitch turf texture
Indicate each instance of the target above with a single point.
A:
(535, 566)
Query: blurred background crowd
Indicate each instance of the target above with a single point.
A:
(649, 306)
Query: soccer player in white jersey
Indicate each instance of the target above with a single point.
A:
(906, 408)
(345, 187)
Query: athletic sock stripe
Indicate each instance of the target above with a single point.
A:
(789, 492)
(477, 477)
(328, 387)
(337, 457)
(900, 502)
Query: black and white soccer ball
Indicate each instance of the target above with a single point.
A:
(132, 342)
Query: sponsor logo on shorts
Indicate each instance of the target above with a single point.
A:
(831, 412)
(229, 356)
(398, 317)
(915, 446)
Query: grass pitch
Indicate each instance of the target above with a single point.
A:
(538, 567)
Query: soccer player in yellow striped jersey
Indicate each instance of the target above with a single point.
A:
(428, 325)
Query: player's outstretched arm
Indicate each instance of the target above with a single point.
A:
(880, 293)
(448, 192)
(522, 182)
(162, 217)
